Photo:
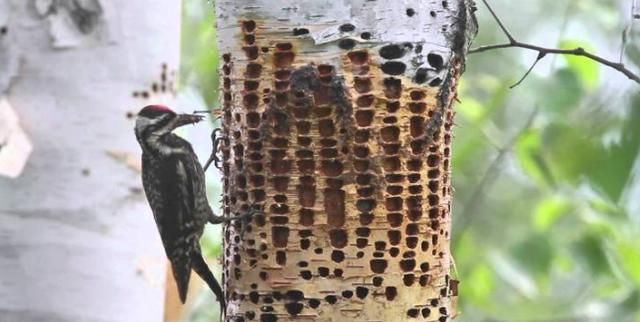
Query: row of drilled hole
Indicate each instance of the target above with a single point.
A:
(342, 238)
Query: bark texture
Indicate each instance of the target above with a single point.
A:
(337, 117)
(77, 239)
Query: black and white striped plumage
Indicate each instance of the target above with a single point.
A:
(174, 184)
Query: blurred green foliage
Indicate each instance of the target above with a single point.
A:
(547, 214)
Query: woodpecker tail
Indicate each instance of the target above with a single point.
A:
(181, 273)
(200, 266)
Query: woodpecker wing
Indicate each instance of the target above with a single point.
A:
(173, 206)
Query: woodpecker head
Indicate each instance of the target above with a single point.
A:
(159, 120)
(156, 121)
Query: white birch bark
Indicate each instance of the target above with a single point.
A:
(77, 239)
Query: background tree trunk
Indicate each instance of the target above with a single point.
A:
(77, 239)
(337, 116)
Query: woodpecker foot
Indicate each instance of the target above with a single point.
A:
(215, 141)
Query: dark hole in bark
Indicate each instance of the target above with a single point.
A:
(365, 100)
(394, 204)
(306, 275)
(393, 68)
(337, 256)
(347, 44)
(249, 25)
(300, 31)
(280, 236)
(433, 200)
(281, 258)
(332, 168)
(408, 279)
(390, 293)
(361, 136)
(294, 308)
(365, 192)
(251, 52)
(358, 57)
(335, 207)
(391, 164)
(313, 303)
(326, 128)
(393, 87)
(435, 82)
(362, 84)
(378, 266)
(283, 59)
(364, 118)
(331, 299)
(393, 51)
(393, 106)
(421, 75)
(347, 27)
(394, 237)
(394, 219)
(323, 271)
(361, 166)
(412, 242)
(338, 238)
(366, 218)
(365, 205)
(390, 133)
(253, 71)
(362, 292)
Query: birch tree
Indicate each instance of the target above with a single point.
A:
(337, 121)
(77, 240)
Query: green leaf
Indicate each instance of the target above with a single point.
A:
(471, 109)
(586, 69)
(629, 252)
(571, 152)
(527, 150)
(590, 249)
(534, 254)
(560, 93)
(548, 211)
(480, 285)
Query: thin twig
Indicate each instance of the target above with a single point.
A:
(540, 56)
(504, 29)
(578, 51)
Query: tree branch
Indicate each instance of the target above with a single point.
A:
(542, 51)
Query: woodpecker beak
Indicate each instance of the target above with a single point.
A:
(184, 119)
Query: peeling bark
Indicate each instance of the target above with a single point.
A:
(338, 119)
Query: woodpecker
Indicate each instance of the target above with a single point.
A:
(174, 184)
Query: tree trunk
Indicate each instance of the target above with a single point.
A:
(77, 239)
(337, 117)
